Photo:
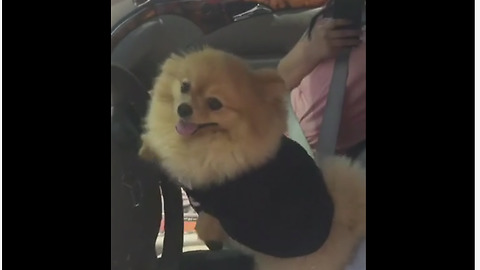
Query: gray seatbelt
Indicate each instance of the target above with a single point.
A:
(332, 115)
(327, 140)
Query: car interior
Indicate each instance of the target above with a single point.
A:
(141, 40)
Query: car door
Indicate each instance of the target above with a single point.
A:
(261, 31)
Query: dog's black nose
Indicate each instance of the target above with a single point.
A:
(184, 110)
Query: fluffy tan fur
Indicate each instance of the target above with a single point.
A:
(250, 126)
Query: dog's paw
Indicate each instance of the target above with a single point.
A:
(209, 229)
(145, 152)
(214, 245)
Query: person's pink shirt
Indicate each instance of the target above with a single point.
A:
(310, 97)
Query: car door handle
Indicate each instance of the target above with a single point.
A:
(259, 9)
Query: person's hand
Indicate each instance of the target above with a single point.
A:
(327, 39)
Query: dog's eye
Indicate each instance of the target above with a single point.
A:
(214, 104)
(185, 87)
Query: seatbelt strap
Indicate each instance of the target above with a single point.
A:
(332, 116)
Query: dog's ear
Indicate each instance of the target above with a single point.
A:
(162, 84)
(172, 64)
(272, 87)
(145, 152)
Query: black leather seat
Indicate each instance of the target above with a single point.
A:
(215, 260)
(136, 205)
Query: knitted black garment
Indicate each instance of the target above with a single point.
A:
(282, 209)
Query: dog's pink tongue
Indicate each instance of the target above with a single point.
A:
(186, 128)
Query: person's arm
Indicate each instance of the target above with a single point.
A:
(296, 65)
(325, 42)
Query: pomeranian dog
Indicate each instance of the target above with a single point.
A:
(217, 127)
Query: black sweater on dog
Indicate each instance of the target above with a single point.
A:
(282, 209)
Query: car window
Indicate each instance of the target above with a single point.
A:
(190, 238)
